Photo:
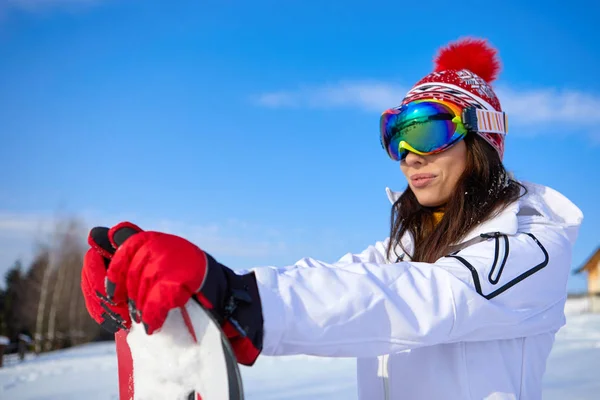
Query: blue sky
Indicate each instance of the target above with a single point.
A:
(252, 127)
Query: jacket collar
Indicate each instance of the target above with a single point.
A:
(540, 202)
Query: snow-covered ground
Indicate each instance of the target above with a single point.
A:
(89, 372)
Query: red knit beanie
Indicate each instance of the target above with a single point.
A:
(463, 72)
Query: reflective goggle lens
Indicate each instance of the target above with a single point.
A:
(423, 127)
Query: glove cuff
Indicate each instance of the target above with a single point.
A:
(235, 303)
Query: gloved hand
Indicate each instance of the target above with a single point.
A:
(111, 316)
(155, 272)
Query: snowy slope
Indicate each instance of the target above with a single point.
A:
(89, 372)
(574, 365)
(86, 372)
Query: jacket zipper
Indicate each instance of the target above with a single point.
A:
(384, 376)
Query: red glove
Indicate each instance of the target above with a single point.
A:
(109, 315)
(156, 272)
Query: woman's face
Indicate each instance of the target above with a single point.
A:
(433, 178)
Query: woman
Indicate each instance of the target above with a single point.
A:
(461, 301)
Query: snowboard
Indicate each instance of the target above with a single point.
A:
(190, 358)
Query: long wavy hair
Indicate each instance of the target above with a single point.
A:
(484, 189)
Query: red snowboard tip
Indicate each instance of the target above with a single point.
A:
(475, 55)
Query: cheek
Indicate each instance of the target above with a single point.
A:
(456, 169)
(404, 169)
(453, 168)
(458, 163)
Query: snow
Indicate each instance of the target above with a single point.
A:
(578, 305)
(25, 338)
(160, 358)
(86, 372)
(89, 371)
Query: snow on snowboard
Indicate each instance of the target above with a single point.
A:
(188, 359)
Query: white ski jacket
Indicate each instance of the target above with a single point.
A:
(476, 324)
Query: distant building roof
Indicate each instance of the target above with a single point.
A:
(592, 262)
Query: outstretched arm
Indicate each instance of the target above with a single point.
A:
(503, 287)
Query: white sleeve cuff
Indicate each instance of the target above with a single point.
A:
(273, 309)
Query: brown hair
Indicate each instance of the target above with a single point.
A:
(483, 189)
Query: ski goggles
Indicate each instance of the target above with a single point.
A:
(431, 126)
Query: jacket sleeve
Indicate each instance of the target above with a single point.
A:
(503, 287)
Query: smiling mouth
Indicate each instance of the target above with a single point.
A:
(422, 180)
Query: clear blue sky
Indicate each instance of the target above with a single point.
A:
(252, 127)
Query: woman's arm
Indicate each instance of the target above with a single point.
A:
(503, 287)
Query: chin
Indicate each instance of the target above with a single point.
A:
(429, 199)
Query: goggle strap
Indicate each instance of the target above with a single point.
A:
(478, 120)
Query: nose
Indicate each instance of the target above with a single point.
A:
(413, 159)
